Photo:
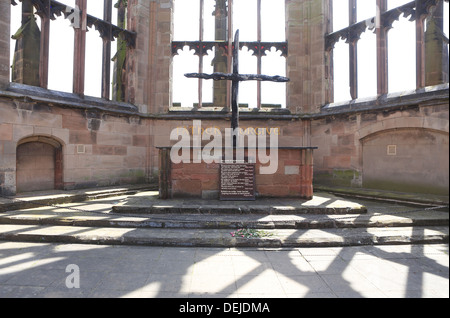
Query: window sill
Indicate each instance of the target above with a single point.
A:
(223, 112)
(407, 98)
(41, 95)
(242, 109)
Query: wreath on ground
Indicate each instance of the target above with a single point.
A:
(250, 233)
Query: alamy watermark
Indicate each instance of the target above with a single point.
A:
(73, 279)
(219, 147)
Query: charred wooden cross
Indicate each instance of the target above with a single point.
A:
(235, 77)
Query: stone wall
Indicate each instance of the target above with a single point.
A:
(114, 147)
(353, 147)
(98, 148)
(102, 147)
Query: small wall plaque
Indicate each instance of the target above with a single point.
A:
(237, 181)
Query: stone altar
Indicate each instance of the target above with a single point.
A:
(293, 178)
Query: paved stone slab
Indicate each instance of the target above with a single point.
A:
(395, 271)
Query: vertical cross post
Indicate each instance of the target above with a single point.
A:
(235, 78)
(235, 90)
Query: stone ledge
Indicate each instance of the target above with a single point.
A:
(48, 198)
(416, 199)
(222, 238)
(322, 203)
(48, 217)
(40, 95)
(392, 100)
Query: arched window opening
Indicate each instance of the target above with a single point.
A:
(69, 46)
(205, 26)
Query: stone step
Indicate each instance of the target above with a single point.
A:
(235, 209)
(326, 220)
(224, 238)
(38, 199)
(148, 202)
(214, 221)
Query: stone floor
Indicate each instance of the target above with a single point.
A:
(41, 270)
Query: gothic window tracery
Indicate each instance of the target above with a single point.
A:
(82, 61)
(391, 64)
(203, 40)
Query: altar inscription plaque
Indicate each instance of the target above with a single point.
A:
(237, 182)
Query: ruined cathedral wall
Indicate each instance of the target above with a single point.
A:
(398, 147)
(96, 148)
(63, 141)
(395, 142)
(152, 61)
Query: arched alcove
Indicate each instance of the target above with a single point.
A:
(406, 160)
(39, 165)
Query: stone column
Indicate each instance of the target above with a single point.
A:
(138, 67)
(436, 52)
(7, 154)
(306, 25)
(119, 79)
(159, 56)
(5, 16)
(25, 68)
(220, 61)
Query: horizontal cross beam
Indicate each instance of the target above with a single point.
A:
(238, 77)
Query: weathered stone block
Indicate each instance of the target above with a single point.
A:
(6, 132)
